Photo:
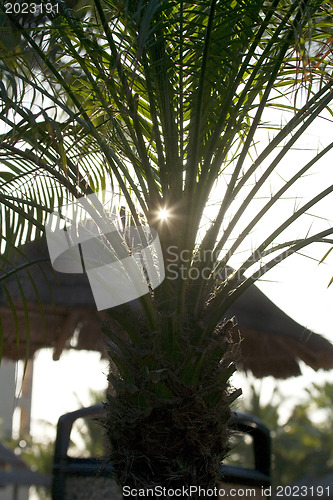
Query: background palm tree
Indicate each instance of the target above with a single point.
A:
(164, 102)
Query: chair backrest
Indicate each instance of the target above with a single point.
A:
(78, 478)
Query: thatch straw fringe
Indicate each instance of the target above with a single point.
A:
(272, 343)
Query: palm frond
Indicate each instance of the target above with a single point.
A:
(162, 102)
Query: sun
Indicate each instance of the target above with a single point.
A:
(163, 214)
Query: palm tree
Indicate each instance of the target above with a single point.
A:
(164, 103)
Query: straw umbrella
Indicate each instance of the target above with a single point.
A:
(58, 311)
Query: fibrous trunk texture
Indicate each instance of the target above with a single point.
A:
(167, 421)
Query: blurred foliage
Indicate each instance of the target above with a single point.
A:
(302, 444)
(38, 455)
(86, 440)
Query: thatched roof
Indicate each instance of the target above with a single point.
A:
(69, 317)
(272, 343)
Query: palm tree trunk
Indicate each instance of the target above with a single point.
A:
(165, 432)
(175, 446)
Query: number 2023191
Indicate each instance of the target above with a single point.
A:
(31, 8)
